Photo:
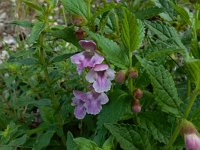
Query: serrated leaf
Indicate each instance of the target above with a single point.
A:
(109, 144)
(129, 138)
(182, 12)
(77, 7)
(85, 144)
(43, 140)
(155, 123)
(102, 10)
(164, 87)
(33, 5)
(118, 106)
(148, 12)
(25, 24)
(132, 31)
(165, 33)
(111, 50)
(36, 31)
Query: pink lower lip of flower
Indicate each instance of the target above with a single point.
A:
(88, 103)
(88, 45)
(101, 78)
(192, 141)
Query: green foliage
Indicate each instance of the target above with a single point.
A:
(119, 100)
(77, 7)
(148, 12)
(43, 140)
(132, 30)
(111, 50)
(164, 87)
(25, 24)
(129, 138)
(36, 31)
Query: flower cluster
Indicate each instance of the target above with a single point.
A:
(136, 106)
(99, 76)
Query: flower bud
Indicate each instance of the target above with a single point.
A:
(80, 34)
(136, 107)
(138, 94)
(133, 73)
(78, 20)
(192, 140)
(120, 76)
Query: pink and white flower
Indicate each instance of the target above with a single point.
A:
(101, 76)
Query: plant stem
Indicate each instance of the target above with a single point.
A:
(187, 111)
(88, 7)
(130, 81)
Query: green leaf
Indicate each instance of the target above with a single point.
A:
(33, 5)
(28, 61)
(85, 144)
(118, 106)
(36, 31)
(25, 24)
(47, 114)
(148, 12)
(18, 141)
(129, 138)
(195, 118)
(109, 144)
(111, 50)
(67, 34)
(132, 31)
(61, 57)
(166, 33)
(43, 140)
(102, 10)
(164, 87)
(182, 12)
(193, 69)
(77, 7)
(70, 142)
(155, 123)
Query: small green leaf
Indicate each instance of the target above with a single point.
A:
(182, 12)
(25, 24)
(164, 87)
(193, 68)
(70, 142)
(61, 57)
(43, 140)
(36, 31)
(67, 34)
(33, 5)
(77, 7)
(111, 50)
(18, 141)
(28, 61)
(85, 144)
(132, 31)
